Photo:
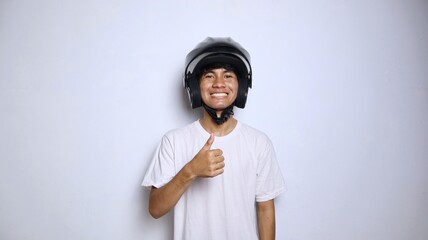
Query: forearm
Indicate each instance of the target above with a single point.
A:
(266, 220)
(163, 199)
(206, 163)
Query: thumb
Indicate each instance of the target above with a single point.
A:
(209, 142)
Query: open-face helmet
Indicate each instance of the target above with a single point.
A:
(217, 51)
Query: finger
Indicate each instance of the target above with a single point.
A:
(217, 152)
(220, 165)
(220, 158)
(209, 142)
(218, 172)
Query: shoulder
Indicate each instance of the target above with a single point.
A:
(179, 133)
(254, 134)
(258, 142)
(247, 129)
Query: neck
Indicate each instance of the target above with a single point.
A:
(219, 130)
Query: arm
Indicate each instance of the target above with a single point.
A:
(163, 199)
(207, 163)
(266, 220)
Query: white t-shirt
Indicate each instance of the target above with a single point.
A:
(223, 207)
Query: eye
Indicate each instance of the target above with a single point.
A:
(228, 75)
(208, 75)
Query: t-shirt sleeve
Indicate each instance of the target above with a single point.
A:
(270, 182)
(162, 168)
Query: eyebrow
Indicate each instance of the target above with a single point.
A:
(212, 71)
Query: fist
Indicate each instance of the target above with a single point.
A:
(208, 162)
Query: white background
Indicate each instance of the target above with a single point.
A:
(87, 89)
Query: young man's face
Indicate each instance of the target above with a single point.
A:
(219, 88)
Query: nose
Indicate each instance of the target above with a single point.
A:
(219, 82)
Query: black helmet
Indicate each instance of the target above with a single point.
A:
(217, 50)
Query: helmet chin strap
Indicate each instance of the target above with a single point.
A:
(225, 114)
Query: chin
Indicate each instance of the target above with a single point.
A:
(218, 107)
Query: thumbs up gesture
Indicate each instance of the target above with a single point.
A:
(208, 162)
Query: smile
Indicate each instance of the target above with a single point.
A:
(219, 94)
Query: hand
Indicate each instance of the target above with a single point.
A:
(208, 162)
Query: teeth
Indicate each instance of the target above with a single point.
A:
(219, 94)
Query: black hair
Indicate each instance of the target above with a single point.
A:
(212, 66)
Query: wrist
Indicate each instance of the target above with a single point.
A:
(188, 173)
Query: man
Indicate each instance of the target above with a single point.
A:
(218, 174)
